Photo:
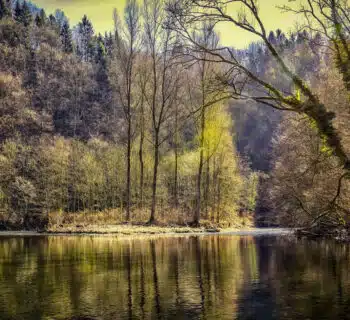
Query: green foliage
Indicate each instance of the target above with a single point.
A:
(325, 148)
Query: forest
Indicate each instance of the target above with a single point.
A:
(157, 122)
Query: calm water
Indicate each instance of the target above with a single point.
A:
(206, 277)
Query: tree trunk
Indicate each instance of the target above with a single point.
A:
(176, 200)
(207, 183)
(197, 214)
(141, 157)
(155, 178)
(214, 179)
(128, 177)
(219, 202)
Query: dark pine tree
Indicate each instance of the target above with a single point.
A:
(66, 38)
(86, 32)
(109, 43)
(5, 9)
(52, 20)
(40, 19)
(27, 15)
(102, 96)
(22, 14)
(100, 50)
(272, 38)
(31, 74)
(17, 13)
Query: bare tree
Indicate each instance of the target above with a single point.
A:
(209, 40)
(127, 46)
(143, 77)
(188, 14)
(164, 80)
(331, 19)
(327, 17)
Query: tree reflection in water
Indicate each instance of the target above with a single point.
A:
(206, 277)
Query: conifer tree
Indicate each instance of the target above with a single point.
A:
(31, 76)
(17, 14)
(272, 37)
(4, 9)
(108, 42)
(40, 18)
(52, 21)
(103, 93)
(86, 32)
(100, 50)
(66, 38)
(22, 14)
(26, 14)
(60, 17)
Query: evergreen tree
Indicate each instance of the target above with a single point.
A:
(66, 38)
(279, 35)
(108, 42)
(61, 18)
(272, 38)
(52, 20)
(85, 32)
(27, 15)
(22, 13)
(40, 18)
(17, 14)
(100, 50)
(103, 92)
(4, 9)
(31, 76)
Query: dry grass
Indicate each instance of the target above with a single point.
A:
(124, 229)
(112, 222)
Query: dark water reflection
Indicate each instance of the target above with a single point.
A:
(210, 277)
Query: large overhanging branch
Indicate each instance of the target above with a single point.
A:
(187, 14)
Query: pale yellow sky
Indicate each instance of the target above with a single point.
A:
(100, 12)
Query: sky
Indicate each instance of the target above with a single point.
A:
(101, 12)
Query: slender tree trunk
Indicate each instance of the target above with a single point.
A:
(176, 196)
(200, 171)
(219, 202)
(142, 137)
(207, 184)
(176, 200)
(155, 177)
(128, 178)
(156, 138)
(212, 218)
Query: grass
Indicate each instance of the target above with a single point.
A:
(111, 222)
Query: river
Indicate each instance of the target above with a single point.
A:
(251, 275)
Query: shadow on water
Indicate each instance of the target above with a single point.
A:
(207, 277)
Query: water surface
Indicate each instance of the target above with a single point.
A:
(252, 276)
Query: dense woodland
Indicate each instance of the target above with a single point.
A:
(157, 121)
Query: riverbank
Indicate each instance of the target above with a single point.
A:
(154, 231)
(126, 229)
(111, 222)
